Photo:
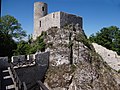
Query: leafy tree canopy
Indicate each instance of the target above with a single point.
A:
(10, 26)
(7, 45)
(25, 48)
(108, 37)
(10, 29)
(22, 48)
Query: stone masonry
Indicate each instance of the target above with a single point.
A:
(19, 73)
(44, 21)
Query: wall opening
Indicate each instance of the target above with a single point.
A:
(53, 15)
(40, 24)
(43, 9)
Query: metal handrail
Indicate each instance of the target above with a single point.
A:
(24, 86)
(16, 78)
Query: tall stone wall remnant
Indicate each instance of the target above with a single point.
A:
(40, 10)
(4, 62)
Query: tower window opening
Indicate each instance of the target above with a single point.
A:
(43, 9)
(53, 15)
(40, 23)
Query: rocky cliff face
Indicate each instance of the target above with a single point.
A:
(74, 64)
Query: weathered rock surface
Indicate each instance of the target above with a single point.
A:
(74, 64)
(109, 56)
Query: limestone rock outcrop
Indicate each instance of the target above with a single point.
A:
(109, 56)
(74, 64)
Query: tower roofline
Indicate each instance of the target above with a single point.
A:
(62, 12)
(40, 2)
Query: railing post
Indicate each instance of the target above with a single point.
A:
(42, 86)
(16, 79)
(24, 86)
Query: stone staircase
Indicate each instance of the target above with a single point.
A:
(7, 82)
(23, 73)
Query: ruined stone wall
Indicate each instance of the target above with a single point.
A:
(40, 10)
(56, 19)
(4, 62)
(35, 72)
(46, 22)
(66, 18)
(42, 58)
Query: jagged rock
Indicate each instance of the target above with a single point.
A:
(74, 64)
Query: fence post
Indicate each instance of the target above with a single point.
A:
(24, 86)
(41, 85)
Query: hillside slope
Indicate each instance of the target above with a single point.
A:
(109, 56)
(74, 64)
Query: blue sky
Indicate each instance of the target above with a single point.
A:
(96, 13)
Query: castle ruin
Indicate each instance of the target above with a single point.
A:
(43, 21)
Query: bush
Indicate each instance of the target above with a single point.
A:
(81, 38)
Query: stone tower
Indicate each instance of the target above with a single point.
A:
(40, 10)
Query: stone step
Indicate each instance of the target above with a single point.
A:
(10, 87)
(5, 74)
(5, 71)
(6, 77)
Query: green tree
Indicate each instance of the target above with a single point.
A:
(7, 45)
(10, 29)
(23, 48)
(40, 42)
(108, 37)
(30, 39)
(10, 26)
